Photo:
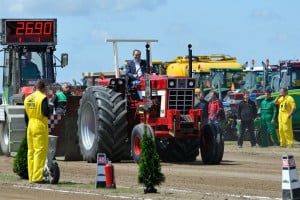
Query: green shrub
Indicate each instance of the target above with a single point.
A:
(20, 161)
(149, 165)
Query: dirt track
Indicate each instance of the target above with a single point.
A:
(248, 173)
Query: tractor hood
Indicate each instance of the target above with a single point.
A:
(159, 82)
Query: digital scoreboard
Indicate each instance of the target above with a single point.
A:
(28, 32)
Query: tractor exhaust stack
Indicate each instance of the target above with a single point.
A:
(148, 58)
(190, 60)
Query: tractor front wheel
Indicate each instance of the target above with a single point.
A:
(136, 140)
(212, 144)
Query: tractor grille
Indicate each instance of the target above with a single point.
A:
(181, 100)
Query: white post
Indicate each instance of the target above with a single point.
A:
(220, 92)
(116, 58)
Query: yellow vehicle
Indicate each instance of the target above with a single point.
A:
(201, 64)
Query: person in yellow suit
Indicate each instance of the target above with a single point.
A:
(287, 107)
(36, 118)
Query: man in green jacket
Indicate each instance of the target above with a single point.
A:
(60, 99)
(268, 117)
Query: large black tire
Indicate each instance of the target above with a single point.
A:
(136, 140)
(212, 144)
(102, 124)
(178, 150)
(4, 138)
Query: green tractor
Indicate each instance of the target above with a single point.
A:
(222, 80)
(288, 76)
(28, 43)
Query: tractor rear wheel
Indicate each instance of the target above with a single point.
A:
(4, 138)
(136, 140)
(178, 150)
(212, 144)
(102, 124)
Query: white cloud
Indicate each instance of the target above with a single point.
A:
(100, 35)
(17, 8)
(264, 14)
(123, 5)
(177, 29)
(281, 37)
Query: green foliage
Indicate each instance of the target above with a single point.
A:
(20, 162)
(149, 165)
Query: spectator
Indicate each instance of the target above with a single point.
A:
(215, 109)
(203, 105)
(247, 112)
(268, 116)
(287, 108)
(197, 96)
(60, 99)
(36, 118)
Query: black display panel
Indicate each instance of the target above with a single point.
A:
(26, 32)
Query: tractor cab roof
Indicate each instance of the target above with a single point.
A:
(254, 69)
(290, 63)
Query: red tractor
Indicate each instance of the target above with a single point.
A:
(112, 117)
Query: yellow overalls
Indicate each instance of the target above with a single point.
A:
(37, 136)
(286, 104)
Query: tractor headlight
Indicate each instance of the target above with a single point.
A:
(113, 82)
(191, 83)
(172, 83)
(120, 82)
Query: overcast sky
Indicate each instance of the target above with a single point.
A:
(246, 29)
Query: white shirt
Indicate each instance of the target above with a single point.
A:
(138, 68)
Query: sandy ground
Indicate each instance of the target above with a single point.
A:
(247, 173)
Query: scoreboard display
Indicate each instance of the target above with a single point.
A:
(28, 32)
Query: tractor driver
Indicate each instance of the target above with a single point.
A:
(29, 69)
(135, 68)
